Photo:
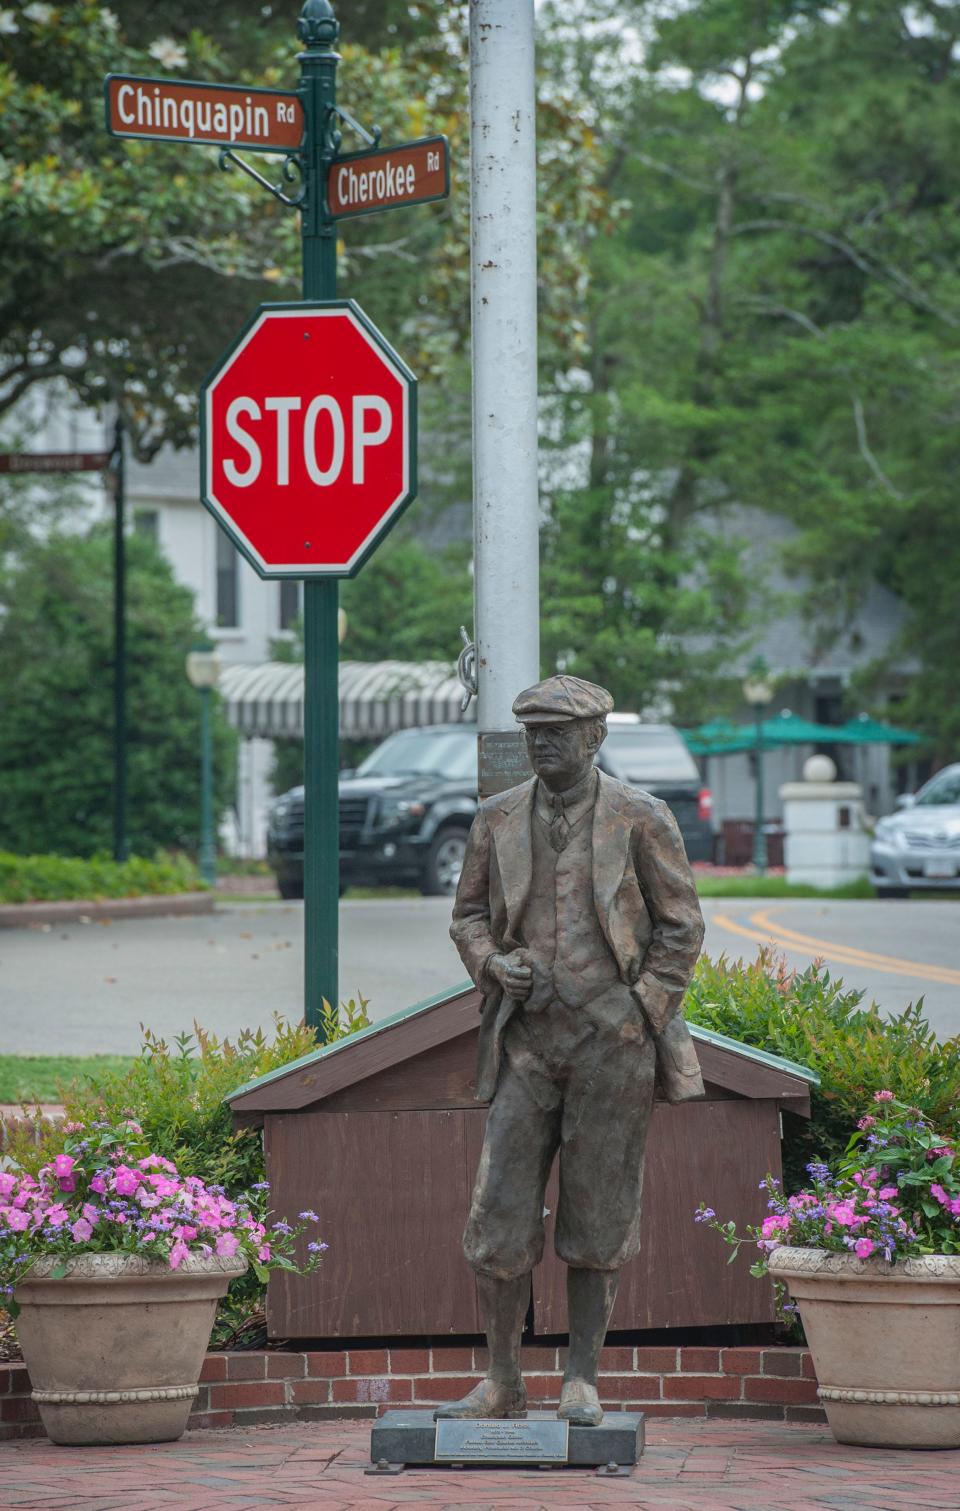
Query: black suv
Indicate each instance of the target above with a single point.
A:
(404, 814)
(406, 811)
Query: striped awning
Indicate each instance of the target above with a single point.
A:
(375, 697)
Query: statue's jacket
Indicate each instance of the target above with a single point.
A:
(645, 901)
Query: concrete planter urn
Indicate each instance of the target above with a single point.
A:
(885, 1340)
(114, 1348)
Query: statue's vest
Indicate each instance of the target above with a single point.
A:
(560, 926)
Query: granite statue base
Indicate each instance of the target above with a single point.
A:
(539, 1439)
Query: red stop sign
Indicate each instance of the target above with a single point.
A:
(308, 439)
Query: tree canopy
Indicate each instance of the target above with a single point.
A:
(775, 316)
(56, 685)
(749, 294)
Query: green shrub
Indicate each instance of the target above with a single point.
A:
(57, 878)
(817, 1021)
(177, 1094)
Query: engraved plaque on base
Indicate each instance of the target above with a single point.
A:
(502, 1440)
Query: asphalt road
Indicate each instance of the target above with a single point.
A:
(85, 988)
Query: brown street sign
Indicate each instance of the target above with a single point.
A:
(211, 115)
(55, 461)
(409, 174)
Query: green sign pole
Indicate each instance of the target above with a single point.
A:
(318, 30)
(121, 848)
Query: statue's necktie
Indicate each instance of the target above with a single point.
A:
(559, 831)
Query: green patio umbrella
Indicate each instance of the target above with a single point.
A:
(721, 737)
(866, 731)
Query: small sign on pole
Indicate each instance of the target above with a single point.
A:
(211, 115)
(360, 183)
(55, 461)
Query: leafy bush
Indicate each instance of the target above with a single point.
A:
(816, 1021)
(56, 878)
(176, 1095)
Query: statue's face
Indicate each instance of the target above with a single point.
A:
(562, 754)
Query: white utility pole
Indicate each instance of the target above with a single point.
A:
(503, 202)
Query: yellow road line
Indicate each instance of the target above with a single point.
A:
(788, 939)
(869, 957)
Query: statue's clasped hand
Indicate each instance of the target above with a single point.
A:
(514, 973)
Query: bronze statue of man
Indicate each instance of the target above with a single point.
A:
(577, 916)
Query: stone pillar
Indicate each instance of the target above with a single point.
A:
(826, 842)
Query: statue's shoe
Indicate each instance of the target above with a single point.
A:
(580, 1404)
(488, 1399)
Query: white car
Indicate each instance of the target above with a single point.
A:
(918, 849)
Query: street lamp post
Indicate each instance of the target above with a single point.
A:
(203, 670)
(758, 691)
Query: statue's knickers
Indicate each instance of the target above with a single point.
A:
(601, 1165)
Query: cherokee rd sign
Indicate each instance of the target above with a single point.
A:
(216, 115)
(389, 177)
(308, 439)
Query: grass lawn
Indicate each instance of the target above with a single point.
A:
(776, 886)
(36, 1077)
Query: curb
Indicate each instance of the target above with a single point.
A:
(31, 915)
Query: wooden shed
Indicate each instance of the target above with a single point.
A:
(380, 1134)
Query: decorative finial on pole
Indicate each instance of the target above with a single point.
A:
(318, 27)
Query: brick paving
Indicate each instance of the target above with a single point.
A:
(688, 1466)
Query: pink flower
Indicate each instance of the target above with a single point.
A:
(163, 1185)
(98, 1183)
(866, 1122)
(883, 1096)
(227, 1245)
(843, 1214)
(178, 1253)
(771, 1226)
(939, 1194)
(864, 1247)
(67, 1184)
(81, 1230)
(16, 1220)
(886, 1192)
(56, 1215)
(125, 1181)
(7, 1183)
(264, 1252)
(147, 1198)
(90, 1213)
(62, 1165)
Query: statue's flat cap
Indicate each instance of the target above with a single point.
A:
(561, 698)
